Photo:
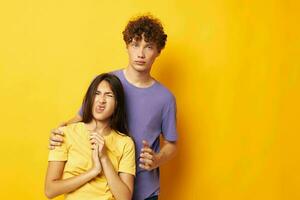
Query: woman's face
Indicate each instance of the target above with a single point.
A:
(104, 102)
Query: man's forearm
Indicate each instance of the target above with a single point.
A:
(167, 152)
(76, 118)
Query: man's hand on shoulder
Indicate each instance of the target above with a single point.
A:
(56, 138)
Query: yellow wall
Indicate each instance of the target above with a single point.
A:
(233, 65)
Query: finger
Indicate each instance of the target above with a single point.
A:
(95, 140)
(54, 144)
(94, 146)
(56, 138)
(96, 152)
(57, 132)
(145, 143)
(147, 156)
(146, 161)
(99, 139)
(147, 150)
(146, 167)
(96, 135)
(51, 147)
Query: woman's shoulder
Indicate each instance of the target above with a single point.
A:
(71, 128)
(126, 139)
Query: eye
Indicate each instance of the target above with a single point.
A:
(149, 47)
(110, 95)
(134, 44)
(97, 92)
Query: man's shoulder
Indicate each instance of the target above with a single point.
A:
(164, 91)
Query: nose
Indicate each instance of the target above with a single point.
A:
(102, 99)
(141, 53)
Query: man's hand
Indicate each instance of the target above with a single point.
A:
(149, 160)
(56, 138)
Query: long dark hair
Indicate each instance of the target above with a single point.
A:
(118, 121)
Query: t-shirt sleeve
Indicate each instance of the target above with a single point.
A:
(127, 162)
(169, 130)
(60, 153)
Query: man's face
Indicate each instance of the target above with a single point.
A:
(142, 55)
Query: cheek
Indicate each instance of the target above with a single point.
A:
(112, 106)
(95, 100)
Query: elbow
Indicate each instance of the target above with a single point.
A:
(50, 194)
(127, 196)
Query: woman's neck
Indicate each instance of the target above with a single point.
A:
(102, 128)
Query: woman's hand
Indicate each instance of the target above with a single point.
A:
(97, 168)
(99, 140)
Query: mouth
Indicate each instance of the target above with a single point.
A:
(99, 108)
(138, 62)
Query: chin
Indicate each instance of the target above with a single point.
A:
(100, 118)
(141, 68)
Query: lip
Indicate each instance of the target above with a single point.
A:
(100, 108)
(139, 62)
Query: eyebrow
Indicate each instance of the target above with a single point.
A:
(104, 92)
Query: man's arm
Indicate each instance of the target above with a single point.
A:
(56, 137)
(76, 118)
(150, 160)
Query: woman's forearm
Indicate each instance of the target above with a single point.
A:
(118, 188)
(57, 187)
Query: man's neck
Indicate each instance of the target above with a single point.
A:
(138, 79)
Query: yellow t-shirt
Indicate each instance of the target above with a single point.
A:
(76, 151)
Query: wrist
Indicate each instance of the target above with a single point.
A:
(103, 158)
(94, 172)
(159, 157)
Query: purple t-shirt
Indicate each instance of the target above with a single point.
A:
(150, 112)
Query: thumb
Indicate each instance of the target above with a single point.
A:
(95, 151)
(62, 124)
(145, 143)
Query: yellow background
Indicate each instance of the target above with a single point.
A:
(233, 66)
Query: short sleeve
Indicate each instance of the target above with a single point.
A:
(169, 130)
(60, 153)
(127, 162)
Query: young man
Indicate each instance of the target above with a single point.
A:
(151, 108)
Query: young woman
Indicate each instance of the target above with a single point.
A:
(97, 159)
